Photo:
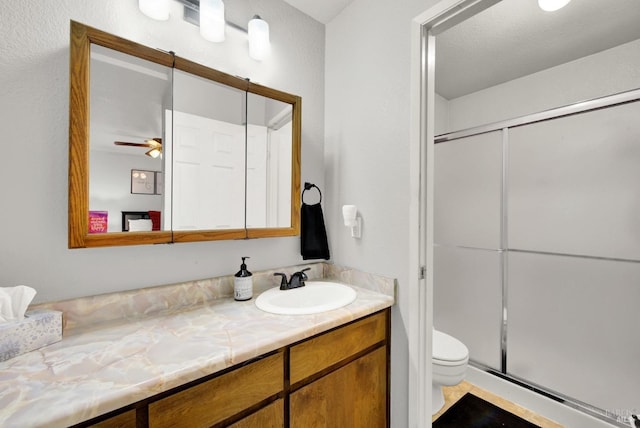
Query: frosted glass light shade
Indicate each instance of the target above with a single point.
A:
(259, 44)
(212, 25)
(155, 9)
(551, 5)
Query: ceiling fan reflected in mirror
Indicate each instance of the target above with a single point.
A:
(154, 145)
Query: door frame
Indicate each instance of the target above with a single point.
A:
(424, 29)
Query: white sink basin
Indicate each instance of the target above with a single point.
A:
(313, 298)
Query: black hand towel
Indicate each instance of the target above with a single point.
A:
(313, 235)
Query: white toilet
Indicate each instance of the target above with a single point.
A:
(449, 362)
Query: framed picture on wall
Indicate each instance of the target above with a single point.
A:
(143, 182)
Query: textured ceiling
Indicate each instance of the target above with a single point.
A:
(515, 38)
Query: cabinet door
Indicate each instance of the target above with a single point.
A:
(271, 416)
(352, 396)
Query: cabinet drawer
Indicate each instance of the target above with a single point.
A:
(315, 355)
(217, 399)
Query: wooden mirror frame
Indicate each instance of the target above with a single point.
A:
(82, 37)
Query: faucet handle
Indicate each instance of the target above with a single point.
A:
(298, 278)
(283, 281)
(303, 275)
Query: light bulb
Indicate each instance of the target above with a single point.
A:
(155, 9)
(154, 153)
(552, 5)
(259, 44)
(212, 20)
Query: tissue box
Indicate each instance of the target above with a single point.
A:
(40, 327)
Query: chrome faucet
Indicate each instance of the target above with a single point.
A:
(297, 279)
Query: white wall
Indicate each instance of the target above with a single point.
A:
(367, 154)
(34, 86)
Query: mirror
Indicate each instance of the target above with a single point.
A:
(269, 133)
(207, 156)
(162, 149)
(128, 97)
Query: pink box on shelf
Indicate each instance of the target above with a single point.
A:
(98, 221)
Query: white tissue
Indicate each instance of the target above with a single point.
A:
(14, 302)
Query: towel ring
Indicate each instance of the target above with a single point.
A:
(309, 186)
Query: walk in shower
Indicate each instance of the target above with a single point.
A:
(537, 257)
(536, 194)
(537, 205)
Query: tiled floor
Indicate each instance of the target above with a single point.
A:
(454, 393)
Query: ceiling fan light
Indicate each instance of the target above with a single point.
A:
(154, 153)
(552, 5)
(155, 9)
(212, 25)
(259, 44)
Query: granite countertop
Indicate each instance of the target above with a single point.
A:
(108, 365)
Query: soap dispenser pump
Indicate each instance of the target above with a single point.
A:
(243, 283)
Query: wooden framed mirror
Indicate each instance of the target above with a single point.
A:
(220, 155)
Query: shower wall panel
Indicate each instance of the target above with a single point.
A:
(469, 304)
(573, 184)
(468, 177)
(573, 327)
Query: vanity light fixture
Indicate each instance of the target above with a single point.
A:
(209, 16)
(259, 44)
(212, 25)
(552, 5)
(351, 219)
(155, 9)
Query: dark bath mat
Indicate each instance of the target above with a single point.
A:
(473, 412)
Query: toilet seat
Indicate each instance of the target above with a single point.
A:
(448, 350)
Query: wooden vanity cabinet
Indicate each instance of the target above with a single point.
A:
(216, 400)
(352, 396)
(341, 378)
(335, 379)
(244, 396)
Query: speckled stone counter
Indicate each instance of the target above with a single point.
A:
(121, 348)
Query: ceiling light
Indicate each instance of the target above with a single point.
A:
(155, 9)
(552, 5)
(259, 44)
(212, 20)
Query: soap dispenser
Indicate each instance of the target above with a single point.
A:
(243, 283)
